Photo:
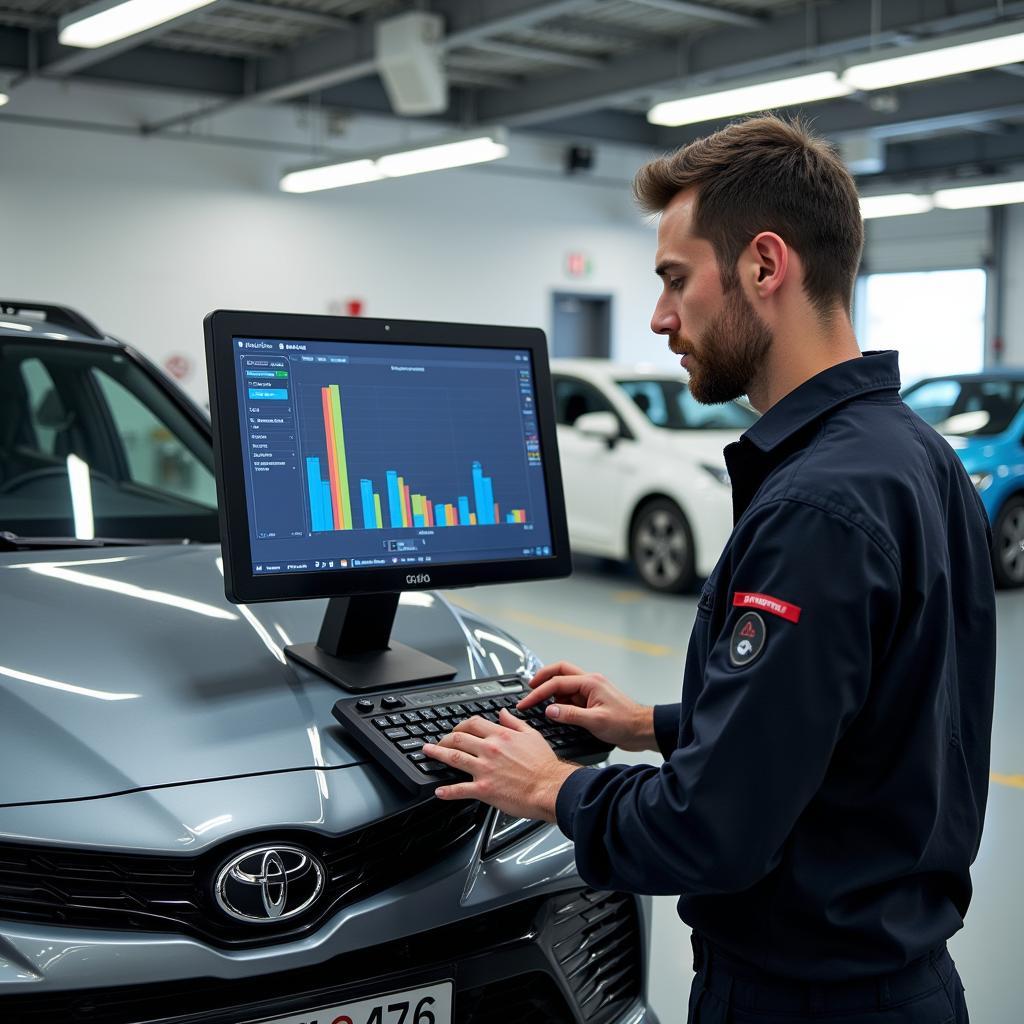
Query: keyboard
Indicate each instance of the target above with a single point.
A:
(393, 727)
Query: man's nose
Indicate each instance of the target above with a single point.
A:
(664, 321)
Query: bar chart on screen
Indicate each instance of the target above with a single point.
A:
(357, 482)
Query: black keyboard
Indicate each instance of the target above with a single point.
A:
(392, 727)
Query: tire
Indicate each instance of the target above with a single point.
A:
(661, 546)
(1008, 544)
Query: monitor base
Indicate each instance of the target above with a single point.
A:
(355, 649)
(399, 665)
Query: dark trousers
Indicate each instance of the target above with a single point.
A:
(927, 991)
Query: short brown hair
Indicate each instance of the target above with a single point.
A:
(767, 174)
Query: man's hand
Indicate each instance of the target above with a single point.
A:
(513, 767)
(591, 701)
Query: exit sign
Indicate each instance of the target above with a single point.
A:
(577, 264)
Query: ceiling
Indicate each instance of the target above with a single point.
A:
(582, 70)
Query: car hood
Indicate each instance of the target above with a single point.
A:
(123, 669)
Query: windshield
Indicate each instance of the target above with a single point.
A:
(91, 445)
(967, 407)
(669, 404)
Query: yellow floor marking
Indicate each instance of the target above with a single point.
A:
(628, 596)
(1017, 781)
(640, 646)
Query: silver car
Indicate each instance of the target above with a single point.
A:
(186, 834)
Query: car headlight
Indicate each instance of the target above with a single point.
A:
(720, 473)
(981, 480)
(507, 829)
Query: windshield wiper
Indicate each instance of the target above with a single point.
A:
(12, 542)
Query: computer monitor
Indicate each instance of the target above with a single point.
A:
(358, 458)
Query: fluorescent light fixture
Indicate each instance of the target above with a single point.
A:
(965, 197)
(937, 62)
(4, 99)
(315, 179)
(437, 157)
(440, 158)
(783, 92)
(899, 204)
(15, 327)
(81, 497)
(108, 21)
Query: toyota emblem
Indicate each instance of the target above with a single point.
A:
(269, 883)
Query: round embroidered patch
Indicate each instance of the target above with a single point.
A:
(747, 640)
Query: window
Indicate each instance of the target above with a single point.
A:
(574, 398)
(967, 408)
(935, 320)
(156, 457)
(669, 404)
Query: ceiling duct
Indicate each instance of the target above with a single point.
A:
(409, 60)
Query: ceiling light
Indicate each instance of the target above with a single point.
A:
(107, 21)
(783, 92)
(4, 98)
(937, 62)
(314, 179)
(899, 204)
(440, 156)
(969, 196)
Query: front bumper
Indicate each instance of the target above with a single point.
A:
(574, 957)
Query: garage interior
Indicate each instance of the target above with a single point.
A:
(143, 183)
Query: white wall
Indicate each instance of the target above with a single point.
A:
(147, 236)
(1013, 309)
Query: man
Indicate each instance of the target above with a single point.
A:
(826, 770)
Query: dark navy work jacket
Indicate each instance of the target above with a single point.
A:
(826, 772)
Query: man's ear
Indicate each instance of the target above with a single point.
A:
(769, 263)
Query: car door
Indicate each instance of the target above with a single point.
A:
(594, 473)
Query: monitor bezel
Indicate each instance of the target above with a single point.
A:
(241, 584)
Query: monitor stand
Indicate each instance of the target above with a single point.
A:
(355, 649)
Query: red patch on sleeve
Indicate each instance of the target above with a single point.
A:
(764, 603)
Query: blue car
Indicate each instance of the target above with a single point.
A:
(982, 417)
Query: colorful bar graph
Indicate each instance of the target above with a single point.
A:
(330, 502)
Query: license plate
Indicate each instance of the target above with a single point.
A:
(431, 1004)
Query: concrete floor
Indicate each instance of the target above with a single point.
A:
(603, 620)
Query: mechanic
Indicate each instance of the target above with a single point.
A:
(826, 771)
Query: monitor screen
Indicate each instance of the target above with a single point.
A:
(380, 461)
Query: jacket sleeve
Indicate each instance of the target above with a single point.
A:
(714, 817)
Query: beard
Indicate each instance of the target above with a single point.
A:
(730, 354)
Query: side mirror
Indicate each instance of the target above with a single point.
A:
(603, 425)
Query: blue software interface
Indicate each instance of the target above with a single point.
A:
(361, 455)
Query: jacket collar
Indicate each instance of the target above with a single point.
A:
(873, 371)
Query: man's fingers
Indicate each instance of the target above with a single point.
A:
(558, 668)
(568, 714)
(463, 740)
(477, 726)
(509, 721)
(457, 791)
(460, 759)
(559, 686)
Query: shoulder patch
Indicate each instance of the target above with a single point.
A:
(747, 640)
(765, 603)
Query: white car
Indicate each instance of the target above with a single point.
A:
(643, 468)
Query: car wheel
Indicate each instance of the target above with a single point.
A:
(661, 546)
(1008, 544)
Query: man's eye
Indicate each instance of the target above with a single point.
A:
(675, 284)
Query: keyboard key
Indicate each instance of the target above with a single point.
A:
(416, 730)
(417, 757)
(427, 715)
(458, 711)
(382, 723)
(431, 767)
(473, 707)
(412, 716)
(444, 725)
(396, 719)
(395, 734)
(392, 702)
(407, 746)
(443, 710)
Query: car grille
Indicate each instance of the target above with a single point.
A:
(560, 959)
(83, 888)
